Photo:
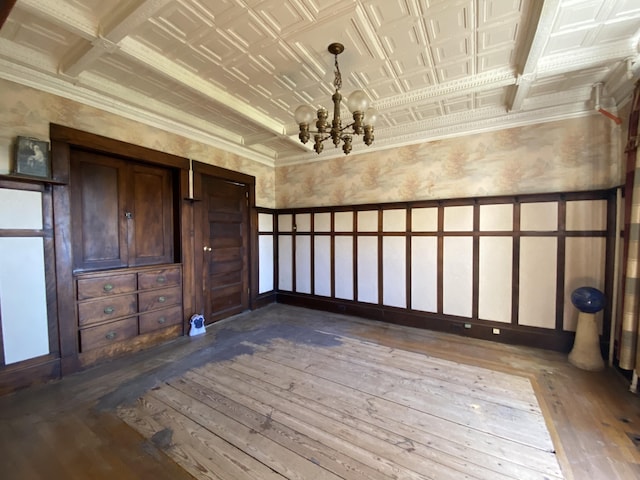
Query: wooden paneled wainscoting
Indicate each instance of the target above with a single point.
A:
(499, 268)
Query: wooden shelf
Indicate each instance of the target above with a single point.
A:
(12, 177)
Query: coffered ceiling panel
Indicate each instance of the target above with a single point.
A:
(232, 72)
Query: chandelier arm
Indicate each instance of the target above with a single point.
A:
(342, 129)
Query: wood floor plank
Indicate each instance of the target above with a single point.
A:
(201, 452)
(450, 378)
(328, 393)
(478, 380)
(292, 382)
(519, 426)
(252, 442)
(365, 441)
(69, 429)
(377, 450)
(264, 418)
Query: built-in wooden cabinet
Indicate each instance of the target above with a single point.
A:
(124, 254)
(117, 305)
(121, 213)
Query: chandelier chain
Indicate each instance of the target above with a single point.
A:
(337, 82)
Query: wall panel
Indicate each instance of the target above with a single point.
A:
(266, 254)
(538, 281)
(495, 279)
(303, 264)
(368, 269)
(457, 281)
(394, 269)
(322, 265)
(265, 268)
(584, 267)
(424, 274)
(285, 262)
(23, 299)
(344, 268)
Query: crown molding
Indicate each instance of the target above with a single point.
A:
(482, 121)
(63, 13)
(477, 83)
(585, 58)
(79, 93)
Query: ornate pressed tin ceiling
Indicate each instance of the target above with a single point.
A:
(231, 72)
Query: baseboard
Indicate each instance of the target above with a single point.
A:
(509, 334)
(28, 373)
(264, 300)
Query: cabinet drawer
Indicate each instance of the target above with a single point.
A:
(164, 277)
(159, 298)
(105, 286)
(106, 308)
(160, 319)
(108, 333)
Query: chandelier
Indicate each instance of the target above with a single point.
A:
(363, 117)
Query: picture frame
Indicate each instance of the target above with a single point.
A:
(32, 157)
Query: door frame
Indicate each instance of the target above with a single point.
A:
(199, 170)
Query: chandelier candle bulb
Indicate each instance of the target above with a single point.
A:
(358, 104)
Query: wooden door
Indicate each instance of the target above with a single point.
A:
(225, 251)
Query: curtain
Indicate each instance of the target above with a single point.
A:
(629, 351)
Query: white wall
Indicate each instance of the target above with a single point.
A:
(23, 300)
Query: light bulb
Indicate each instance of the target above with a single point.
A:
(370, 116)
(304, 114)
(358, 101)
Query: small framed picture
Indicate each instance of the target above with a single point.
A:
(32, 157)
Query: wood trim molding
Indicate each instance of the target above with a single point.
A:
(91, 141)
(29, 373)
(554, 336)
(532, 337)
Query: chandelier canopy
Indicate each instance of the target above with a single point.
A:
(363, 117)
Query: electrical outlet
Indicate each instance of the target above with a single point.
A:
(496, 331)
(467, 325)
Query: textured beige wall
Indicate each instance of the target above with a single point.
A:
(28, 112)
(562, 156)
(578, 154)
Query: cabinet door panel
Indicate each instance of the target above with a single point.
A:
(151, 224)
(97, 207)
(122, 213)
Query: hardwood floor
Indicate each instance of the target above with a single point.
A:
(70, 429)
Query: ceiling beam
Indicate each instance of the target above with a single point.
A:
(543, 18)
(107, 41)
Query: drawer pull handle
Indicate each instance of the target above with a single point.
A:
(109, 310)
(162, 299)
(161, 320)
(111, 335)
(107, 287)
(161, 279)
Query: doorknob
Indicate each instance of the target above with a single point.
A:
(207, 249)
